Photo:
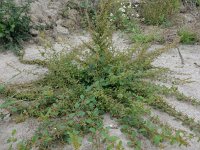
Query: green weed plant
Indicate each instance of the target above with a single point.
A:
(157, 12)
(187, 36)
(14, 25)
(93, 80)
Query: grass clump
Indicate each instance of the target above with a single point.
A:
(187, 36)
(2, 88)
(14, 24)
(83, 85)
(157, 12)
(139, 37)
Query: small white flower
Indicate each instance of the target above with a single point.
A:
(122, 9)
(111, 14)
(136, 5)
(123, 15)
(181, 134)
(137, 15)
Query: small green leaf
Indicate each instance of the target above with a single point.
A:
(9, 140)
(14, 132)
(12, 28)
(2, 35)
(6, 104)
(2, 87)
(82, 97)
(71, 115)
(81, 113)
(87, 101)
(157, 139)
(93, 130)
(89, 121)
(112, 138)
(120, 96)
(77, 105)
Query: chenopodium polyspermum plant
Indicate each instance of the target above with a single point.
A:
(90, 81)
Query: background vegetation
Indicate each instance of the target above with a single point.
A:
(14, 25)
(158, 11)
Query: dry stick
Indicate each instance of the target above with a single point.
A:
(197, 65)
(179, 52)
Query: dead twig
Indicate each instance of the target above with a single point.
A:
(197, 65)
(181, 57)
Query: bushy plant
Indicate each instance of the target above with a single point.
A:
(122, 16)
(144, 38)
(93, 80)
(121, 13)
(14, 24)
(158, 11)
(198, 2)
(187, 36)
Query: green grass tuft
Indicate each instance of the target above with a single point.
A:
(187, 37)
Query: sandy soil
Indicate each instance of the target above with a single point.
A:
(24, 130)
(13, 71)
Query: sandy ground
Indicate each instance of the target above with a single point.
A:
(189, 70)
(12, 71)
